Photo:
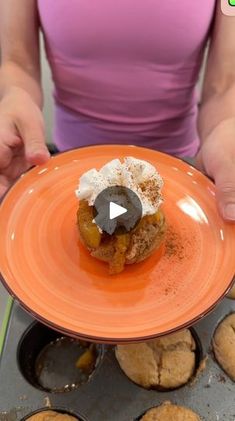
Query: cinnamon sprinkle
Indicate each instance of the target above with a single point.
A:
(151, 190)
(174, 246)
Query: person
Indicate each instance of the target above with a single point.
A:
(124, 72)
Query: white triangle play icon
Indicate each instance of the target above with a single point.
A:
(115, 210)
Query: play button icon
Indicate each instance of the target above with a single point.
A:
(117, 210)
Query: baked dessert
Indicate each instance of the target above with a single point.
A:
(231, 293)
(119, 249)
(163, 363)
(170, 412)
(51, 416)
(224, 345)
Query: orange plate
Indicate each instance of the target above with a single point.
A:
(54, 277)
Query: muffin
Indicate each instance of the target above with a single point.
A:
(170, 412)
(224, 345)
(51, 416)
(167, 362)
(231, 293)
(132, 246)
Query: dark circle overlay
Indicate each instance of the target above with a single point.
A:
(121, 196)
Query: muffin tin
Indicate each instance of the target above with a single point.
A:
(50, 363)
(57, 409)
(108, 395)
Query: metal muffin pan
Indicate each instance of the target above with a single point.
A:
(61, 411)
(55, 357)
(110, 395)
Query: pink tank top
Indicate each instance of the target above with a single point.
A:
(125, 70)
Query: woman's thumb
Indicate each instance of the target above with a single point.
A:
(224, 177)
(32, 132)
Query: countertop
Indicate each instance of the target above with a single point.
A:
(5, 307)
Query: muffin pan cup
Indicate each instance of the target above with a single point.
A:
(45, 352)
(110, 395)
(59, 410)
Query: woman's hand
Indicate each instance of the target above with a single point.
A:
(217, 158)
(22, 140)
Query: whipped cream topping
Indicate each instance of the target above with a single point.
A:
(138, 175)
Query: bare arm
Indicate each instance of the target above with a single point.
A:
(20, 47)
(22, 139)
(218, 98)
(217, 114)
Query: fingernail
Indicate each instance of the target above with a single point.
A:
(38, 152)
(38, 157)
(229, 211)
